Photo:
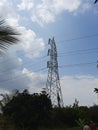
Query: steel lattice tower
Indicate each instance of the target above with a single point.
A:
(53, 87)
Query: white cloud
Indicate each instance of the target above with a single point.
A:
(14, 76)
(81, 88)
(2, 2)
(69, 5)
(5, 7)
(12, 71)
(47, 11)
(30, 43)
(13, 20)
(11, 65)
(78, 87)
(43, 11)
(28, 38)
(8, 13)
(25, 5)
(37, 81)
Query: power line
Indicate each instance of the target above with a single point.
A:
(77, 65)
(83, 51)
(78, 38)
(61, 66)
(19, 77)
(8, 59)
(30, 64)
(78, 51)
(62, 41)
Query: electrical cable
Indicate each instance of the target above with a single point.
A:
(78, 38)
(30, 64)
(76, 65)
(78, 51)
(62, 66)
(19, 77)
(67, 40)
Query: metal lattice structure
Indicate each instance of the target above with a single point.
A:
(53, 87)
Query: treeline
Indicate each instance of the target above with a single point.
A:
(23, 110)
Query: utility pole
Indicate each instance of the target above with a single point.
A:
(53, 87)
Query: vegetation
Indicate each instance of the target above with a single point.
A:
(96, 90)
(96, 1)
(8, 36)
(29, 111)
(25, 111)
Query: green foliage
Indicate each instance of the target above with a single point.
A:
(5, 98)
(83, 113)
(7, 36)
(64, 117)
(28, 110)
(94, 113)
(81, 122)
(32, 111)
(96, 90)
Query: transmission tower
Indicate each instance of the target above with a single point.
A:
(53, 87)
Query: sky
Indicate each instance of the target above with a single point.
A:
(74, 26)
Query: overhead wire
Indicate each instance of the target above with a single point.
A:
(62, 41)
(19, 77)
(77, 65)
(61, 66)
(70, 52)
(83, 51)
(78, 38)
(11, 58)
(32, 65)
(27, 65)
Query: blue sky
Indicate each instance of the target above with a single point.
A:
(74, 25)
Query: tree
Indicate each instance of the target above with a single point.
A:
(28, 110)
(8, 36)
(96, 1)
(94, 113)
(4, 100)
(96, 91)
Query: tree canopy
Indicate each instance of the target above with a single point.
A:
(8, 36)
(28, 110)
(96, 1)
